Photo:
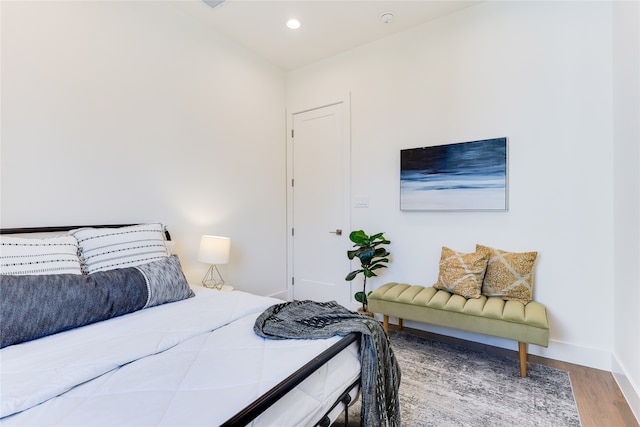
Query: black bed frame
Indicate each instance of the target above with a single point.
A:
(264, 402)
(58, 229)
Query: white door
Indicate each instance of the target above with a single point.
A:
(320, 204)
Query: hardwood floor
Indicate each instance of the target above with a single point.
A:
(599, 399)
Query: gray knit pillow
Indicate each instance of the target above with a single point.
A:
(165, 281)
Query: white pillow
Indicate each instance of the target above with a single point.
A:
(103, 249)
(51, 255)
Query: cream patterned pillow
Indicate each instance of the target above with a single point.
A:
(509, 274)
(51, 255)
(461, 273)
(104, 249)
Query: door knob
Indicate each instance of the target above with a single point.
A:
(338, 232)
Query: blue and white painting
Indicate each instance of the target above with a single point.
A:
(463, 176)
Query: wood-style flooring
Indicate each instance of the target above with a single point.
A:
(599, 399)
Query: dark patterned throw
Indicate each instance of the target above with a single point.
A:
(379, 369)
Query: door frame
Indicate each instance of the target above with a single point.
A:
(290, 112)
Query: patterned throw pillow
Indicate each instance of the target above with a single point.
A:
(31, 256)
(509, 275)
(165, 281)
(103, 249)
(461, 273)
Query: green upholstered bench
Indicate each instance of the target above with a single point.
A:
(490, 316)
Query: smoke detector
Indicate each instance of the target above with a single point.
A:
(387, 17)
(213, 3)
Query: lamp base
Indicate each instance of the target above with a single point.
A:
(213, 279)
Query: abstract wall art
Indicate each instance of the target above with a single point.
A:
(469, 176)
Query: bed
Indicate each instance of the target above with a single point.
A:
(150, 352)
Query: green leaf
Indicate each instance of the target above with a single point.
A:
(353, 275)
(359, 237)
(365, 251)
(381, 252)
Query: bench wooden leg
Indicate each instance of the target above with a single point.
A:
(385, 323)
(522, 350)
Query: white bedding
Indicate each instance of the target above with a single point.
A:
(192, 362)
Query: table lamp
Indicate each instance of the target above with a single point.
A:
(214, 250)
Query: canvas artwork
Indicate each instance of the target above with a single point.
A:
(463, 176)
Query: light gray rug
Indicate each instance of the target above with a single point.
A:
(445, 385)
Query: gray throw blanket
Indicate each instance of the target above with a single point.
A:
(380, 373)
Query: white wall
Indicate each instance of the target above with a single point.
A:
(538, 73)
(119, 112)
(626, 87)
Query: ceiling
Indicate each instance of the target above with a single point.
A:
(328, 27)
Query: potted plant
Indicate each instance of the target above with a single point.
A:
(372, 255)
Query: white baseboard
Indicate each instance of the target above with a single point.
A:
(631, 393)
(557, 350)
(579, 355)
(280, 295)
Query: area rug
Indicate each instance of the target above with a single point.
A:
(445, 385)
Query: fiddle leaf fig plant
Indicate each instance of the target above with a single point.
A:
(372, 255)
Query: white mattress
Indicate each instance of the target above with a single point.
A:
(192, 362)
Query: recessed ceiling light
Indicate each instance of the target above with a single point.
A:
(293, 24)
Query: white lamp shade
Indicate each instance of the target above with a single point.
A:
(214, 249)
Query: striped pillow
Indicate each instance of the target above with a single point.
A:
(103, 249)
(52, 255)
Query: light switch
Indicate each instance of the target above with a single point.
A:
(361, 202)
